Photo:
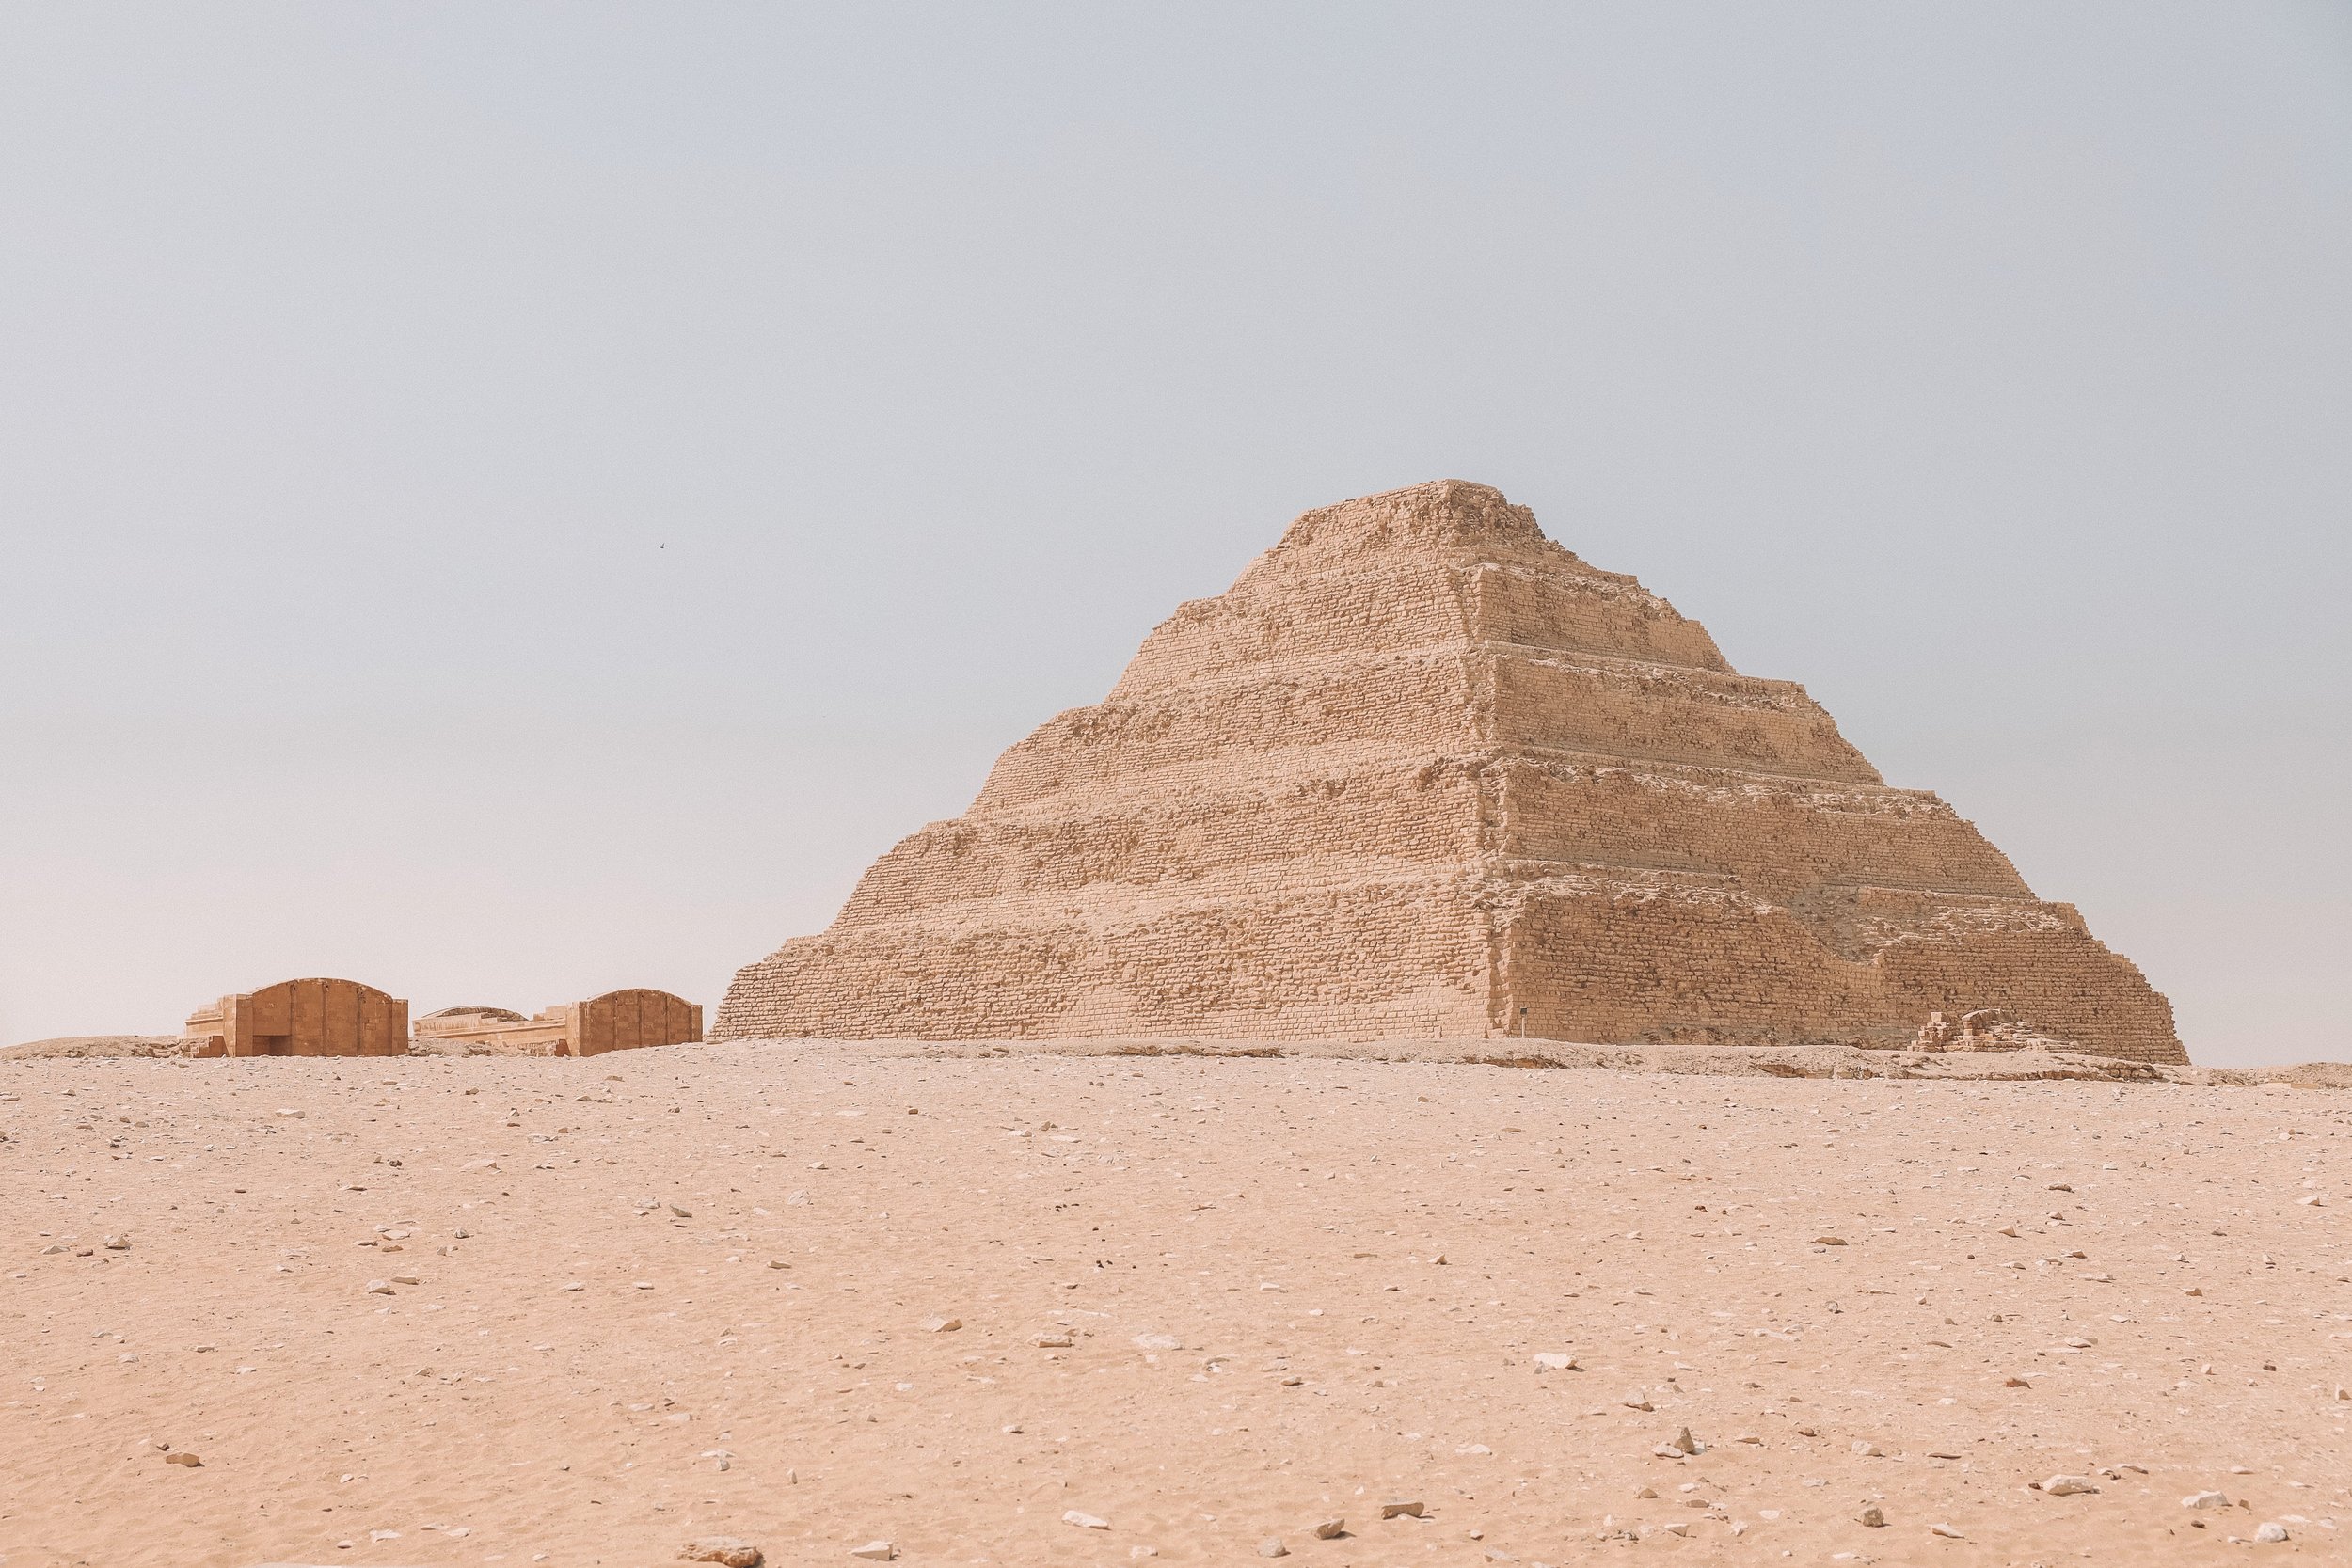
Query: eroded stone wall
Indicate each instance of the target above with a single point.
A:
(1422, 769)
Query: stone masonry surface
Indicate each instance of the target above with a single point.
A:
(1422, 773)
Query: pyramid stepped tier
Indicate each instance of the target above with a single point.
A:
(1420, 772)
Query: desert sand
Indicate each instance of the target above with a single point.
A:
(1013, 1306)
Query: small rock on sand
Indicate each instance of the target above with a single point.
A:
(876, 1551)
(2270, 1533)
(724, 1551)
(1085, 1521)
(1946, 1531)
(942, 1325)
(1872, 1516)
(1555, 1361)
(2206, 1499)
(2068, 1487)
(1272, 1547)
(183, 1457)
(1330, 1529)
(1405, 1509)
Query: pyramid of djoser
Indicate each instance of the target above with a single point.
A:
(1420, 768)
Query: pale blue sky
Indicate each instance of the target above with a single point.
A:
(503, 502)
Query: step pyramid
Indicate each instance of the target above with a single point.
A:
(1423, 773)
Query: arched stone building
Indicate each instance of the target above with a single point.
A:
(304, 1018)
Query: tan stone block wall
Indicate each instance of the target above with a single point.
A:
(1379, 814)
(1782, 836)
(1677, 959)
(1355, 956)
(1415, 703)
(1667, 714)
(308, 1018)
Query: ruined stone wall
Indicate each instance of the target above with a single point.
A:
(1419, 768)
(1352, 956)
(1414, 706)
(1673, 958)
(1394, 818)
(1782, 836)
(1667, 714)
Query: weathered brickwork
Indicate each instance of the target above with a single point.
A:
(1420, 772)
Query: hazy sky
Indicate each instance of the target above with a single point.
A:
(505, 502)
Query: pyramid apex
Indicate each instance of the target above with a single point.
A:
(1439, 512)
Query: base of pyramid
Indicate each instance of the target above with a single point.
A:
(1384, 958)
(1599, 954)
(1613, 957)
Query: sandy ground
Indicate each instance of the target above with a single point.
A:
(811, 1297)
